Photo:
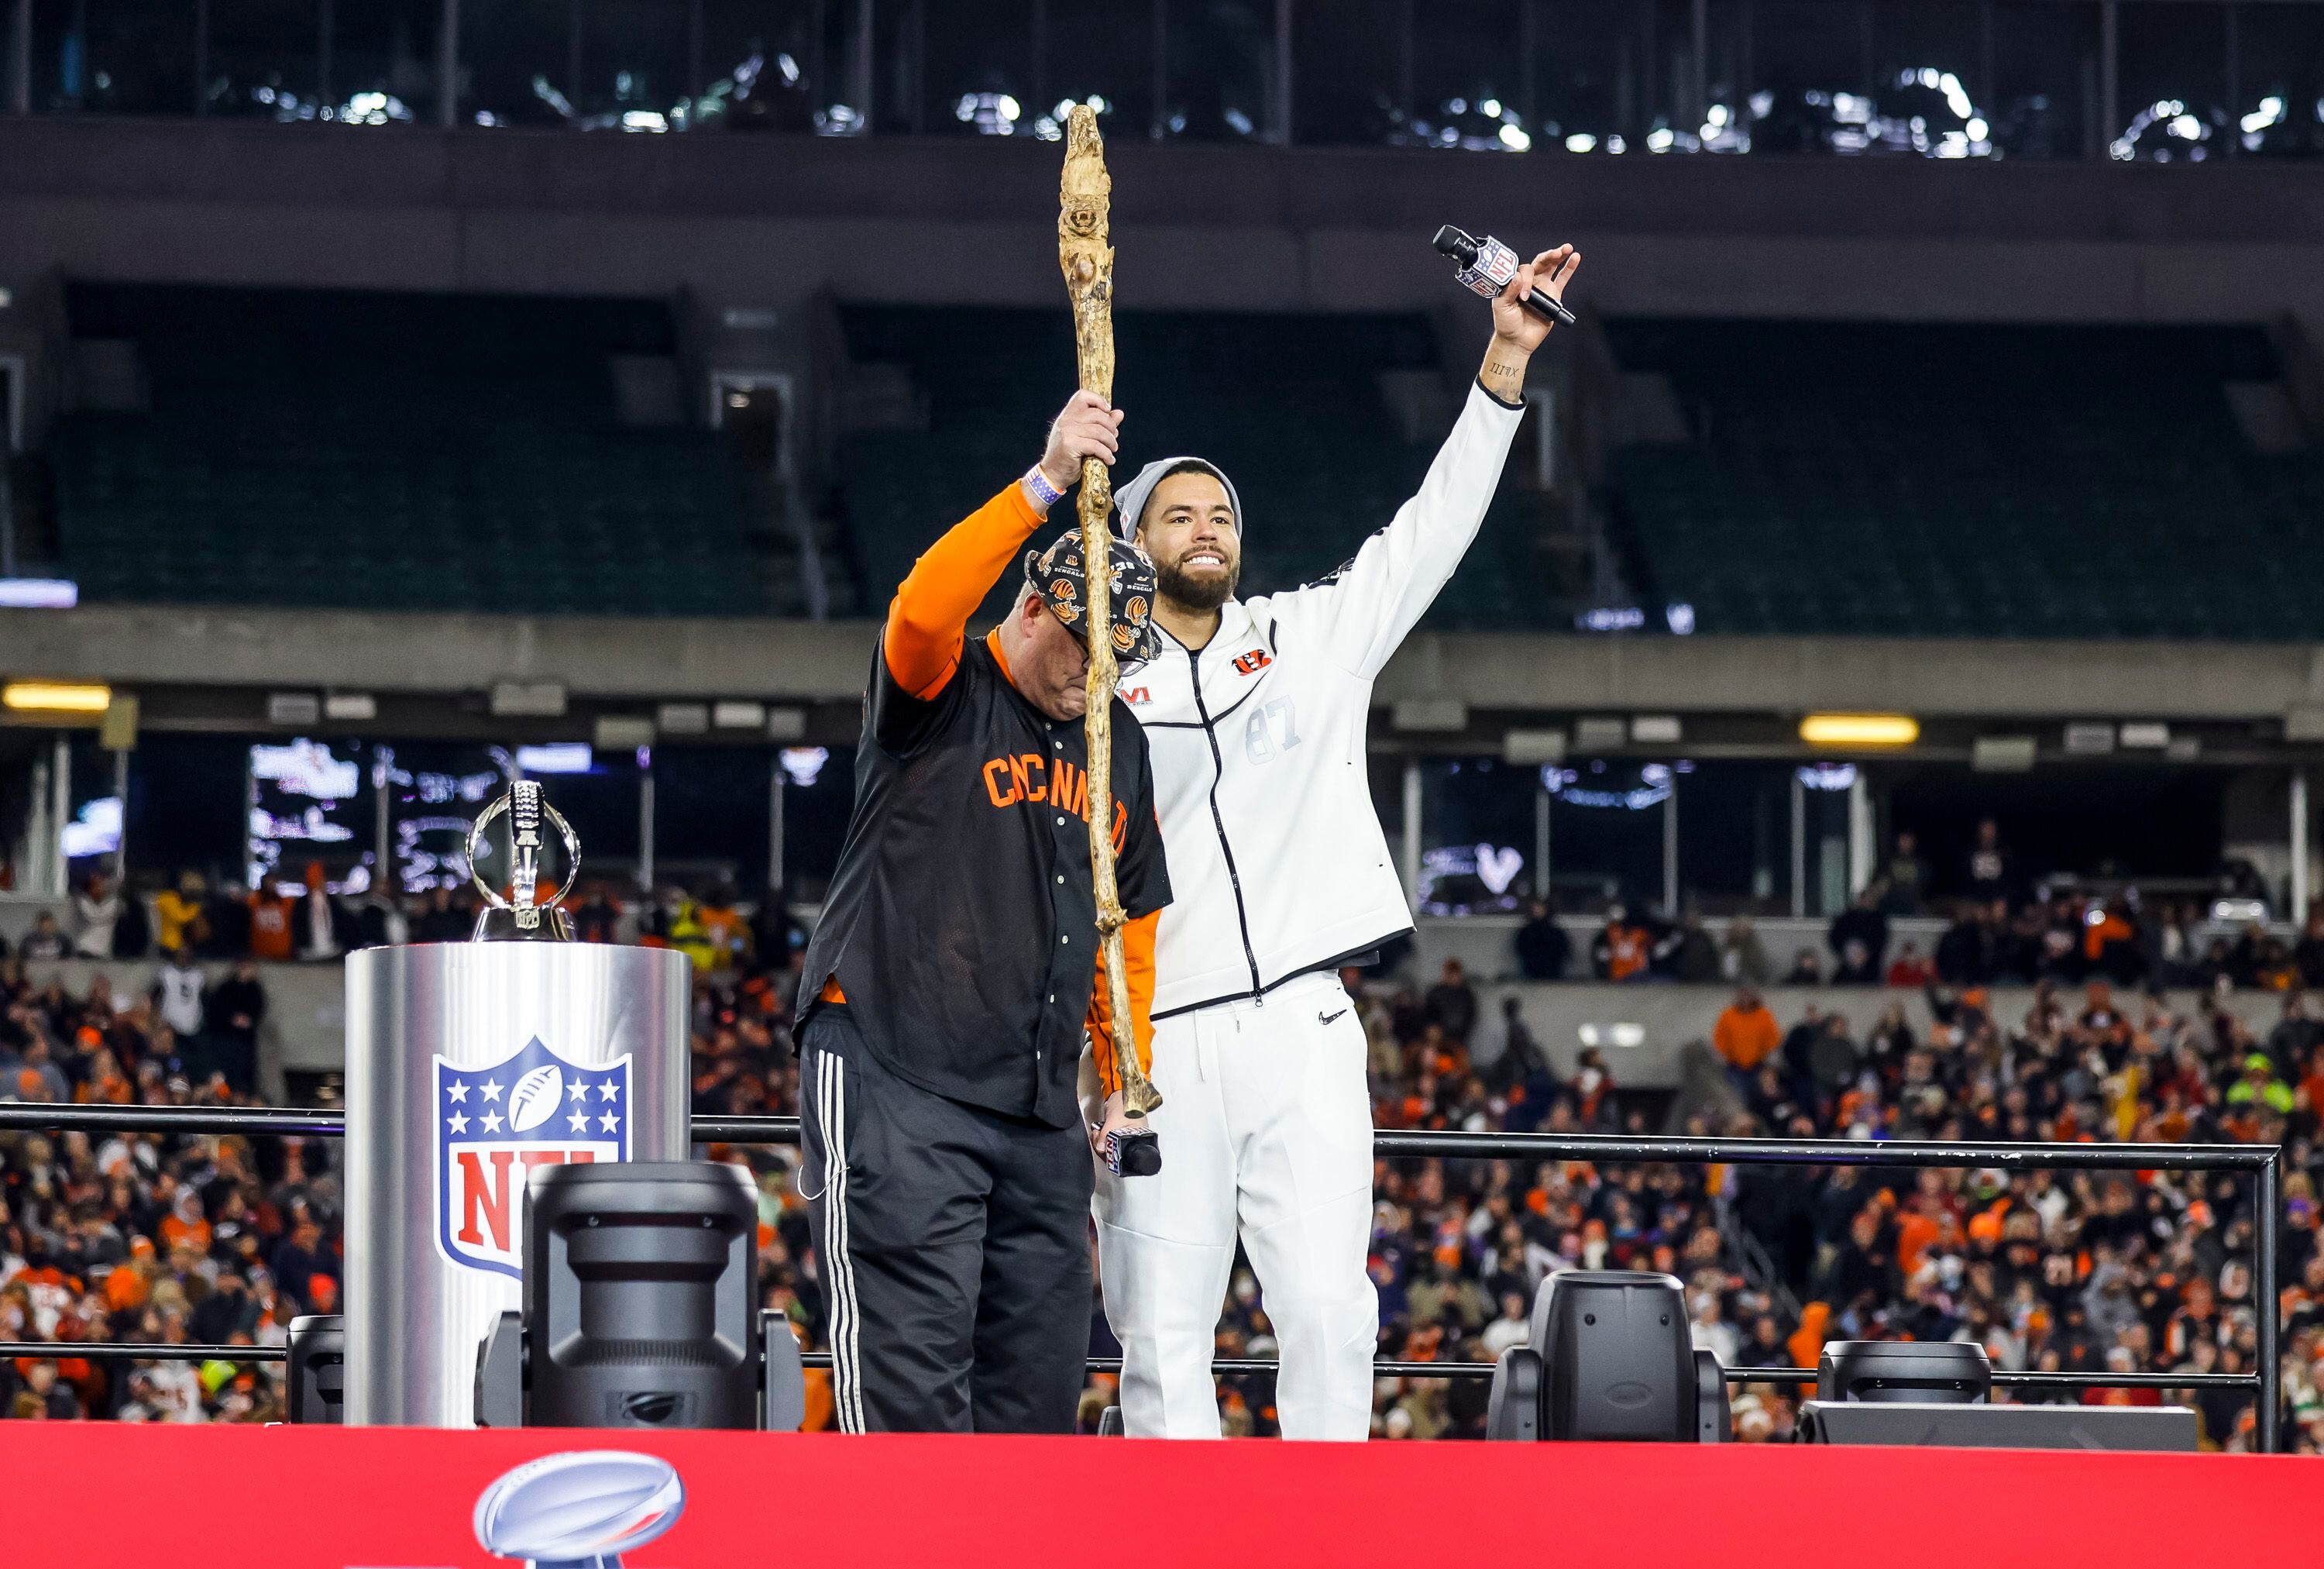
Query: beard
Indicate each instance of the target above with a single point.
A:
(1203, 594)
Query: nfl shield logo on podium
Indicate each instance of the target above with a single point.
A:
(495, 1124)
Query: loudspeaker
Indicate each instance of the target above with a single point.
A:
(1953, 1373)
(1950, 1425)
(639, 1286)
(316, 1387)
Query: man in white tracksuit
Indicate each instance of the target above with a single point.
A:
(1255, 714)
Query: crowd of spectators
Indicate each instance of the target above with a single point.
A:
(2139, 1271)
(221, 1241)
(203, 1242)
(309, 920)
(2002, 929)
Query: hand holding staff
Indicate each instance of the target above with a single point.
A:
(1085, 253)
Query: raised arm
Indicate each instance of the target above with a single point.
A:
(927, 623)
(1363, 612)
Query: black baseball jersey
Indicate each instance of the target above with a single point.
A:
(961, 922)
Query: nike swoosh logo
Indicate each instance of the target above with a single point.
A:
(1327, 1018)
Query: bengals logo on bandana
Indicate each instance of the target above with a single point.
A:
(1063, 580)
(1130, 630)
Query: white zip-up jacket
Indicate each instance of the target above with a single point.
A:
(1278, 862)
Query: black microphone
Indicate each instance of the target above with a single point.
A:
(1486, 265)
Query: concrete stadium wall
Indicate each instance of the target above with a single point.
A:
(615, 660)
(755, 221)
(759, 221)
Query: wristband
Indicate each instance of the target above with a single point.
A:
(1045, 494)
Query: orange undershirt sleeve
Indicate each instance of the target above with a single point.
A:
(928, 619)
(1138, 967)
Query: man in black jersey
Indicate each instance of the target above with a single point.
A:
(956, 969)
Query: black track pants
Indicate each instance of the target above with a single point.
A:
(953, 1244)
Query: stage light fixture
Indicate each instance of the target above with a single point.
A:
(316, 1386)
(638, 1284)
(56, 696)
(1859, 730)
(1607, 1358)
(1887, 1371)
(1948, 1425)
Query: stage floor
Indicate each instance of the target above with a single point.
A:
(191, 1498)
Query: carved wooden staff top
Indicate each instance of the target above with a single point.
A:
(1085, 252)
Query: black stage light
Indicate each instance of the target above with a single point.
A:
(503, 1377)
(1943, 1372)
(638, 1279)
(1607, 1358)
(1616, 1359)
(314, 1388)
(1951, 1424)
(1513, 1410)
(1714, 1414)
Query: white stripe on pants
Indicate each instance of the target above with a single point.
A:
(846, 1355)
(1266, 1128)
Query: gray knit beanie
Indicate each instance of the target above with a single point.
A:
(1130, 500)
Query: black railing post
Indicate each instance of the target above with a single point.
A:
(2267, 1199)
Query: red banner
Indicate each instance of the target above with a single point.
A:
(304, 1498)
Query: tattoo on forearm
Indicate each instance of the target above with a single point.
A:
(1494, 367)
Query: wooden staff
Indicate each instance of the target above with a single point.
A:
(1085, 252)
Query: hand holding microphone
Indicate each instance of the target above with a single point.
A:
(1488, 267)
(1527, 299)
(1124, 1141)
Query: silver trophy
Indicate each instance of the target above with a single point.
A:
(516, 916)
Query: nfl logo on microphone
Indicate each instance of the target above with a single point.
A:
(495, 1124)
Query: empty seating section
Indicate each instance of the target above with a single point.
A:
(1970, 480)
(1290, 406)
(377, 451)
(384, 451)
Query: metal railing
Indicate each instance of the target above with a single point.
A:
(2263, 1161)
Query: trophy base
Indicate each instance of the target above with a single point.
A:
(550, 925)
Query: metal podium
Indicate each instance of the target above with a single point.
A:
(468, 1066)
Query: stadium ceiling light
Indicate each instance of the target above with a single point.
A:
(1859, 730)
(56, 696)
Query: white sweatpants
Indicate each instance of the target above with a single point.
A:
(1266, 1128)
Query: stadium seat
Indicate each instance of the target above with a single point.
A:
(1979, 481)
(371, 451)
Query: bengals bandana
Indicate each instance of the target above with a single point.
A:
(1060, 575)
